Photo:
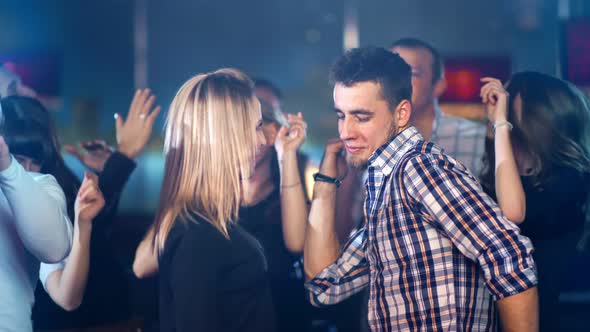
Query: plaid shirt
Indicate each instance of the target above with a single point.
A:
(435, 250)
(461, 139)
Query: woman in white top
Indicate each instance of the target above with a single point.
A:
(34, 228)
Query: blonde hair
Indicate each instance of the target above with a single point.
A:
(210, 142)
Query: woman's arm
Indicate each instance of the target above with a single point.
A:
(66, 286)
(294, 207)
(145, 263)
(509, 190)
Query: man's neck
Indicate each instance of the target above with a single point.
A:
(424, 120)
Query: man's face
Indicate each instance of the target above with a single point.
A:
(365, 121)
(421, 61)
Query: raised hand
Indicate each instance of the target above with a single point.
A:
(134, 132)
(289, 140)
(333, 163)
(90, 200)
(93, 154)
(495, 98)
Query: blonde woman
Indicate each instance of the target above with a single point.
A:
(212, 272)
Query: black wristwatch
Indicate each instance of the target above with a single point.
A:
(324, 178)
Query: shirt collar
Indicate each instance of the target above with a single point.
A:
(385, 157)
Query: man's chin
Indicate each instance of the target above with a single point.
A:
(356, 162)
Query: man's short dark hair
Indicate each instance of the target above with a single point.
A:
(267, 84)
(375, 64)
(438, 66)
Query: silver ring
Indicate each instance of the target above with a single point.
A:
(142, 116)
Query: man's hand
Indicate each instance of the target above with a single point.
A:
(134, 132)
(333, 163)
(93, 154)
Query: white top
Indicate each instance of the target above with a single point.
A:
(34, 227)
(47, 269)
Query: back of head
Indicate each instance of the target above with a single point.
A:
(553, 127)
(29, 130)
(210, 143)
(437, 60)
(555, 121)
(274, 95)
(375, 64)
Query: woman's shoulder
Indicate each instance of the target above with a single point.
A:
(192, 233)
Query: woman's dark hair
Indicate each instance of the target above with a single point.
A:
(554, 127)
(28, 129)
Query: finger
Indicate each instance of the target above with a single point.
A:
(297, 122)
(490, 79)
(486, 97)
(73, 151)
(489, 97)
(92, 195)
(144, 97)
(335, 143)
(92, 177)
(83, 191)
(147, 107)
(118, 122)
(295, 131)
(138, 103)
(296, 128)
(135, 100)
(88, 190)
(152, 117)
(282, 132)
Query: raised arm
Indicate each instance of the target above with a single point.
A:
(509, 190)
(39, 208)
(322, 247)
(65, 282)
(294, 209)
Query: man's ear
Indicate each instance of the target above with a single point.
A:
(403, 113)
(439, 88)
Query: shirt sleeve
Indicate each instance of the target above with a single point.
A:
(455, 203)
(47, 269)
(194, 284)
(346, 277)
(112, 180)
(40, 215)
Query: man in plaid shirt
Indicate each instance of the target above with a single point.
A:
(436, 251)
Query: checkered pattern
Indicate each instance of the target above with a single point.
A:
(436, 251)
(462, 139)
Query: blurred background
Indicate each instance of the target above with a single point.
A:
(85, 58)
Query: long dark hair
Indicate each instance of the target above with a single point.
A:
(554, 128)
(29, 130)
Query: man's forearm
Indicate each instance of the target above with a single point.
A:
(321, 240)
(520, 312)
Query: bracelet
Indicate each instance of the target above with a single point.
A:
(502, 124)
(290, 185)
(328, 179)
